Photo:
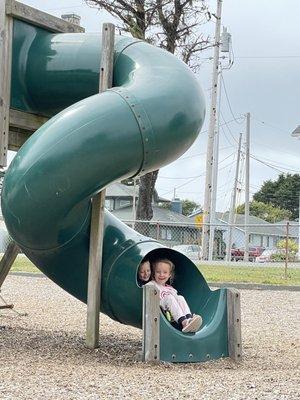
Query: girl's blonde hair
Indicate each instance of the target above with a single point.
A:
(166, 261)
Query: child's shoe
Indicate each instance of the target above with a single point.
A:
(193, 324)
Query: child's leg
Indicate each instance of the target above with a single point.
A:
(184, 306)
(171, 303)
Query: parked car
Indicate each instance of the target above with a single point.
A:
(273, 255)
(236, 255)
(254, 252)
(266, 255)
(192, 251)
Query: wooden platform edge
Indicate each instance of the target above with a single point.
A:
(39, 18)
(234, 324)
(151, 324)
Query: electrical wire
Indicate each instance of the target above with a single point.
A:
(268, 57)
(229, 130)
(193, 179)
(268, 124)
(202, 173)
(275, 167)
(204, 153)
(228, 101)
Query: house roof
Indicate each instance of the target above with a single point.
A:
(262, 227)
(159, 214)
(118, 189)
(293, 227)
(278, 228)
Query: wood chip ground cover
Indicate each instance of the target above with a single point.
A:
(42, 355)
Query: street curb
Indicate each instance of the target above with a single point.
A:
(254, 286)
(246, 286)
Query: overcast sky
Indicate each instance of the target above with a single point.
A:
(264, 80)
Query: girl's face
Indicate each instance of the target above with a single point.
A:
(145, 271)
(162, 273)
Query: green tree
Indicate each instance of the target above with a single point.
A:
(283, 246)
(188, 206)
(171, 24)
(282, 193)
(268, 212)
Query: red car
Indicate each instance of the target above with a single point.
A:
(254, 251)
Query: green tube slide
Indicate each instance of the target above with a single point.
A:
(150, 117)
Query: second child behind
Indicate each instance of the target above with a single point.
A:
(163, 272)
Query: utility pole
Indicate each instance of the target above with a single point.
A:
(214, 181)
(233, 201)
(247, 185)
(211, 133)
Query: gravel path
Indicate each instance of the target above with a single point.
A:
(42, 355)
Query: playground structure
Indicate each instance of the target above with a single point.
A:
(85, 140)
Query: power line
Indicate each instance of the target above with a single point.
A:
(280, 165)
(275, 167)
(229, 130)
(228, 102)
(203, 154)
(268, 124)
(268, 57)
(192, 177)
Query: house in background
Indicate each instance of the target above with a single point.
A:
(118, 196)
(261, 232)
(170, 227)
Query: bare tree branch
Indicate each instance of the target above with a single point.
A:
(171, 24)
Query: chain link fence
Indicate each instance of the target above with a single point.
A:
(275, 245)
(5, 239)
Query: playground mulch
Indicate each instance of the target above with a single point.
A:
(43, 354)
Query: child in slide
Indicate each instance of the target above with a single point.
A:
(144, 273)
(163, 272)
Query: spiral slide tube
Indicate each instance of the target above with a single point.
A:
(150, 117)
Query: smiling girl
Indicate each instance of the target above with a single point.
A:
(163, 275)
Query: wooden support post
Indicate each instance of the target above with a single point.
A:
(151, 322)
(36, 17)
(234, 324)
(6, 25)
(7, 260)
(97, 221)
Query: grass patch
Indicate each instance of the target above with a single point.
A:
(22, 264)
(259, 275)
(213, 273)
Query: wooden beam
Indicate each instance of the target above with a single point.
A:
(39, 18)
(97, 221)
(7, 260)
(151, 322)
(234, 324)
(25, 120)
(6, 25)
(17, 137)
(21, 126)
